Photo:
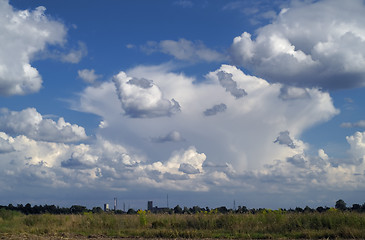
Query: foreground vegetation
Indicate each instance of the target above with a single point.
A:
(263, 224)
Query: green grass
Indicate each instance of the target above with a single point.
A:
(264, 225)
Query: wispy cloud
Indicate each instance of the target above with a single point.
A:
(184, 50)
(184, 3)
(74, 55)
(360, 124)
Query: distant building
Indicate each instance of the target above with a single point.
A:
(149, 205)
(156, 209)
(106, 207)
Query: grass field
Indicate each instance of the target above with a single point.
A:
(263, 225)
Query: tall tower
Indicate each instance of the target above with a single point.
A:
(149, 205)
(115, 204)
(106, 207)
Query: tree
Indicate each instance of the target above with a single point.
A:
(131, 211)
(178, 209)
(340, 205)
(186, 210)
(307, 209)
(222, 209)
(320, 209)
(242, 209)
(298, 209)
(195, 209)
(97, 210)
(27, 209)
(77, 209)
(356, 207)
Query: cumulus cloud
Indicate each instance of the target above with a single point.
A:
(297, 160)
(188, 169)
(219, 108)
(225, 79)
(5, 145)
(80, 158)
(285, 139)
(108, 165)
(357, 145)
(32, 124)
(292, 93)
(88, 75)
(184, 50)
(173, 136)
(53, 164)
(99, 164)
(248, 158)
(258, 119)
(24, 33)
(180, 163)
(317, 44)
(141, 98)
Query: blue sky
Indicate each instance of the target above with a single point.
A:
(257, 102)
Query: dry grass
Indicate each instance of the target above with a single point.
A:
(264, 225)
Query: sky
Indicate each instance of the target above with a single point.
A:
(207, 102)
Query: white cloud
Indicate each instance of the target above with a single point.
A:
(75, 55)
(5, 145)
(30, 123)
(248, 127)
(232, 150)
(108, 165)
(184, 50)
(88, 75)
(80, 158)
(100, 100)
(130, 46)
(308, 45)
(142, 98)
(98, 164)
(23, 34)
(357, 146)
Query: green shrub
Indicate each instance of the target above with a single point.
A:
(8, 214)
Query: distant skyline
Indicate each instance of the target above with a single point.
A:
(211, 102)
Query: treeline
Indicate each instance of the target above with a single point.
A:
(78, 209)
(340, 205)
(51, 209)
